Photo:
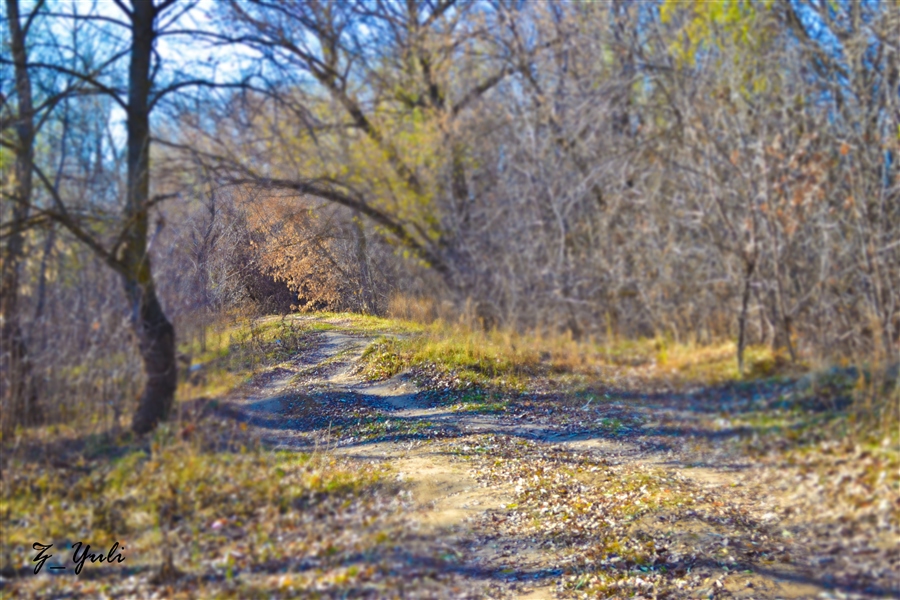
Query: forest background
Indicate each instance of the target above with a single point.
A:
(684, 171)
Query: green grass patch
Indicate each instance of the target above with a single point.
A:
(465, 356)
(478, 400)
(373, 427)
(362, 324)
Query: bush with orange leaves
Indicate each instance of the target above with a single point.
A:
(321, 251)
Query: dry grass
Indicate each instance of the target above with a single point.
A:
(202, 494)
(199, 493)
(218, 516)
(860, 402)
(411, 308)
(509, 356)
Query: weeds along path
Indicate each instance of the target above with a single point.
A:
(538, 500)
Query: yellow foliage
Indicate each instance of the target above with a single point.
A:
(708, 19)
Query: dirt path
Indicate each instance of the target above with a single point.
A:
(481, 487)
(448, 497)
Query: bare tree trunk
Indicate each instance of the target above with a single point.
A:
(156, 341)
(459, 187)
(42, 275)
(156, 335)
(742, 320)
(365, 275)
(203, 248)
(17, 389)
(784, 319)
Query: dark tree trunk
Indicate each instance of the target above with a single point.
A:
(459, 187)
(742, 320)
(156, 336)
(156, 341)
(365, 275)
(18, 393)
(42, 275)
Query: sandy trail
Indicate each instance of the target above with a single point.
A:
(451, 503)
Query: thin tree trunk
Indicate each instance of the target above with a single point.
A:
(785, 320)
(459, 187)
(42, 275)
(365, 275)
(742, 321)
(18, 393)
(782, 319)
(156, 335)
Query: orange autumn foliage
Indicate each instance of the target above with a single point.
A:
(313, 248)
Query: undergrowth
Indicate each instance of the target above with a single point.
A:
(215, 517)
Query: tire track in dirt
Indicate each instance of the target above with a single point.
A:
(452, 504)
(449, 499)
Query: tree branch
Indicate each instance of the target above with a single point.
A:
(64, 218)
(329, 193)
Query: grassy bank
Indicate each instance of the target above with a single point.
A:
(774, 398)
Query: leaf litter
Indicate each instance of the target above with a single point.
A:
(326, 477)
